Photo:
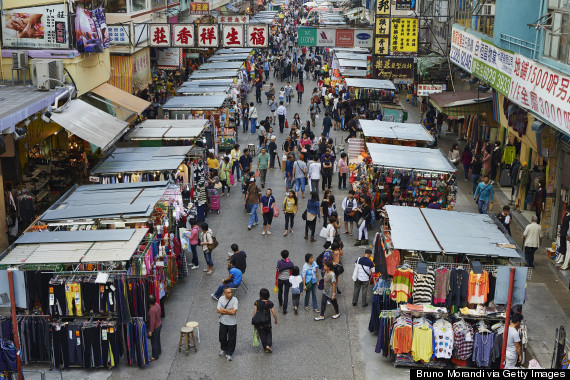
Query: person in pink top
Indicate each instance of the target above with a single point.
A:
(193, 239)
(487, 161)
(155, 325)
(342, 167)
(305, 141)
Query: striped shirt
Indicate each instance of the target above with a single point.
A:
(423, 287)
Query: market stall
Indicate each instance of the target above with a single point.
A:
(213, 108)
(384, 132)
(168, 132)
(406, 176)
(447, 276)
(372, 95)
(213, 74)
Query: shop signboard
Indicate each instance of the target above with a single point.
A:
(426, 89)
(42, 27)
(392, 68)
(404, 35)
(239, 19)
(462, 48)
(382, 7)
(208, 36)
(183, 35)
(170, 57)
(257, 36)
(232, 35)
(119, 34)
(141, 69)
(344, 38)
(199, 8)
(326, 37)
(406, 5)
(90, 31)
(544, 91)
(363, 38)
(382, 25)
(495, 78)
(307, 36)
(159, 35)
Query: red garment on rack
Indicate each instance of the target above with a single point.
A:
(392, 261)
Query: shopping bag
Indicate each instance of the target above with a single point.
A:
(232, 180)
(275, 210)
(257, 174)
(355, 272)
(255, 338)
(324, 233)
(286, 124)
(275, 289)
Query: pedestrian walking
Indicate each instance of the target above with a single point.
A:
(312, 110)
(262, 165)
(225, 172)
(155, 325)
(329, 292)
(487, 161)
(300, 89)
(193, 240)
(266, 203)
(245, 117)
(252, 195)
(288, 92)
(532, 238)
(273, 109)
(235, 155)
(300, 175)
(289, 178)
(327, 166)
(332, 226)
(206, 241)
(312, 213)
(349, 205)
(227, 308)
(476, 168)
(272, 148)
(266, 307)
(284, 266)
(466, 159)
(245, 163)
(296, 285)
(484, 195)
(364, 217)
(327, 124)
(514, 347)
(252, 117)
(342, 168)
(282, 115)
(505, 218)
(363, 269)
(314, 174)
(290, 207)
(310, 276)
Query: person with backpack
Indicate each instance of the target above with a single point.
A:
(193, 239)
(207, 242)
(265, 308)
(363, 269)
(310, 276)
(349, 205)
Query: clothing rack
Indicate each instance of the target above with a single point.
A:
(487, 267)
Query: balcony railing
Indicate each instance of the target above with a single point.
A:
(521, 44)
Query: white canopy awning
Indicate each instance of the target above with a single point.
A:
(410, 157)
(90, 123)
(380, 84)
(392, 130)
(168, 129)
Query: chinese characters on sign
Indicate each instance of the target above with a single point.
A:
(183, 35)
(426, 89)
(257, 36)
(243, 19)
(118, 34)
(207, 35)
(406, 5)
(232, 36)
(159, 34)
(393, 68)
(382, 7)
(404, 36)
(199, 8)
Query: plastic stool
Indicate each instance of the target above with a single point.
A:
(185, 332)
(194, 325)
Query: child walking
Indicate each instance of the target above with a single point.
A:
(296, 282)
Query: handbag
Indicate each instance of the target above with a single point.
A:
(257, 174)
(255, 338)
(321, 285)
(324, 233)
(232, 180)
(259, 319)
(310, 216)
(214, 244)
(275, 210)
(338, 269)
(355, 271)
(304, 216)
(265, 210)
(286, 124)
(308, 285)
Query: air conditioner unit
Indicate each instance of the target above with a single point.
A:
(47, 73)
(488, 10)
(19, 60)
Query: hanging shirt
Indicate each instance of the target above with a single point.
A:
(478, 288)
(482, 348)
(443, 337)
(423, 287)
(402, 285)
(422, 343)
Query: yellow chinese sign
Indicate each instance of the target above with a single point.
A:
(381, 45)
(404, 35)
(383, 25)
(383, 7)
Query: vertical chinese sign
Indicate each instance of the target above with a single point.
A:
(381, 46)
(159, 35)
(257, 36)
(208, 36)
(232, 36)
(404, 35)
(183, 35)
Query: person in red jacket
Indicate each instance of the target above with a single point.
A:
(155, 325)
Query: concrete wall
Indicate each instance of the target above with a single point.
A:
(511, 18)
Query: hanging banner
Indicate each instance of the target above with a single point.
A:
(363, 38)
(344, 38)
(240, 19)
(159, 35)
(169, 58)
(183, 35)
(326, 37)
(257, 36)
(199, 8)
(542, 90)
(232, 36)
(98, 15)
(307, 36)
(208, 36)
(406, 5)
(87, 36)
(43, 27)
(392, 68)
(404, 35)
(426, 89)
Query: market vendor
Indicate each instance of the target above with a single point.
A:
(514, 347)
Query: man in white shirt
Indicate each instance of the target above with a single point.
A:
(315, 174)
(532, 237)
(227, 308)
(282, 115)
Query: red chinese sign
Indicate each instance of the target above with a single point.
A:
(257, 36)
(208, 35)
(159, 34)
(243, 19)
(199, 8)
(183, 35)
(344, 38)
(232, 36)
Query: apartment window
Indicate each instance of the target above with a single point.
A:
(125, 6)
(557, 39)
(158, 3)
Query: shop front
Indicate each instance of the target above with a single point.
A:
(131, 73)
(374, 96)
